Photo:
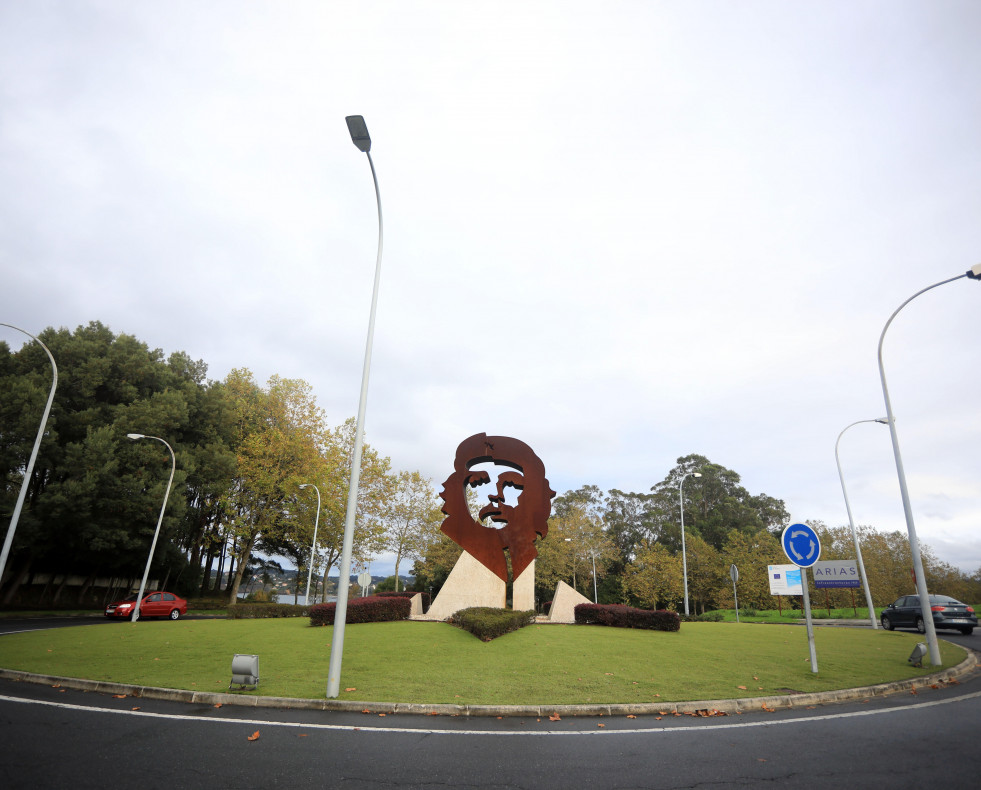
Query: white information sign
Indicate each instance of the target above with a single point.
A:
(785, 580)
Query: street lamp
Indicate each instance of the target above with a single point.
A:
(592, 554)
(313, 549)
(8, 541)
(851, 522)
(156, 533)
(684, 556)
(973, 273)
(360, 137)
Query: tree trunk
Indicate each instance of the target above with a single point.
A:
(243, 560)
(86, 585)
(57, 595)
(17, 579)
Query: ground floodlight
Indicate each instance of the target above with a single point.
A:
(916, 657)
(245, 670)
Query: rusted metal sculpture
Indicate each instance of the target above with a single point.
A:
(520, 523)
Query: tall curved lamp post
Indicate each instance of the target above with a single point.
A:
(8, 541)
(156, 533)
(851, 522)
(360, 137)
(313, 548)
(914, 545)
(684, 555)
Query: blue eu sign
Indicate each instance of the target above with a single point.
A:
(801, 545)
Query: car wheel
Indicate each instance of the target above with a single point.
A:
(967, 631)
(886, 623)
(176, 613)
(920, 625)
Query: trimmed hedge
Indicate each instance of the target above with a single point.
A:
(241, 611)
(487, 623)
(620, 616)
(426, 597)
(372, 609)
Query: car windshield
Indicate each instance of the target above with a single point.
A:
(943, 599)
(129, 599)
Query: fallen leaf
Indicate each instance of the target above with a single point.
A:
(912, 691)
(382, 715)
(301, 735)
(755, 678)
(56, 685)
(156, 659)
(607, 673)
(134, 708)
(499, 718)
(555, 717)
(600, 725)
(760, 760)
(351, 689)
(631, 716)
(657, 718)
(741, 687)
(366, 711)
(218, 705)
(657, 695)
(61, 691)
(254, 736)
(119, 696)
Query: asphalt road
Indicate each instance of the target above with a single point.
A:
(54, 737)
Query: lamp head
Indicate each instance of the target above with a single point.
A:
(696, 474)
(135, 436)
(359, 132)
(975, 272)
(883, 420)
(304, 485)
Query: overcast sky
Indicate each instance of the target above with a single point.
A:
(622, 232)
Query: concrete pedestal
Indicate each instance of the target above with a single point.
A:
(470, 583)
(563, 609)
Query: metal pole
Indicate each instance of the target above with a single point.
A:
(851, 522)
(684, 556)
(914, 544)
(8, 541)
(313, 548)
(595, 593)
(344, 582)
(809, 621)
(156, 533)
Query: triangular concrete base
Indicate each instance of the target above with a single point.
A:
(470, 583)
(563, 608)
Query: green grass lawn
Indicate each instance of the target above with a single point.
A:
(435, 662)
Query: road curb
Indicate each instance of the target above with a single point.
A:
(948, 676)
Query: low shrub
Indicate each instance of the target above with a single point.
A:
(209, 604)
(372, 609)
(243, 611)
(710, 617)
(426, 597)
(748, 612)
(620, 616)
(487, 623)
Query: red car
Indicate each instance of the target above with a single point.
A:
(155, 604)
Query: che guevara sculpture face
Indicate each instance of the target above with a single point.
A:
(501, 527)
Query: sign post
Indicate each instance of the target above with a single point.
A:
(364, 579)
(803, 548)
(734, 573)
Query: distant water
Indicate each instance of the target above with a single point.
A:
(301, 599)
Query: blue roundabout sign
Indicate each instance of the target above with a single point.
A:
(801, 545)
